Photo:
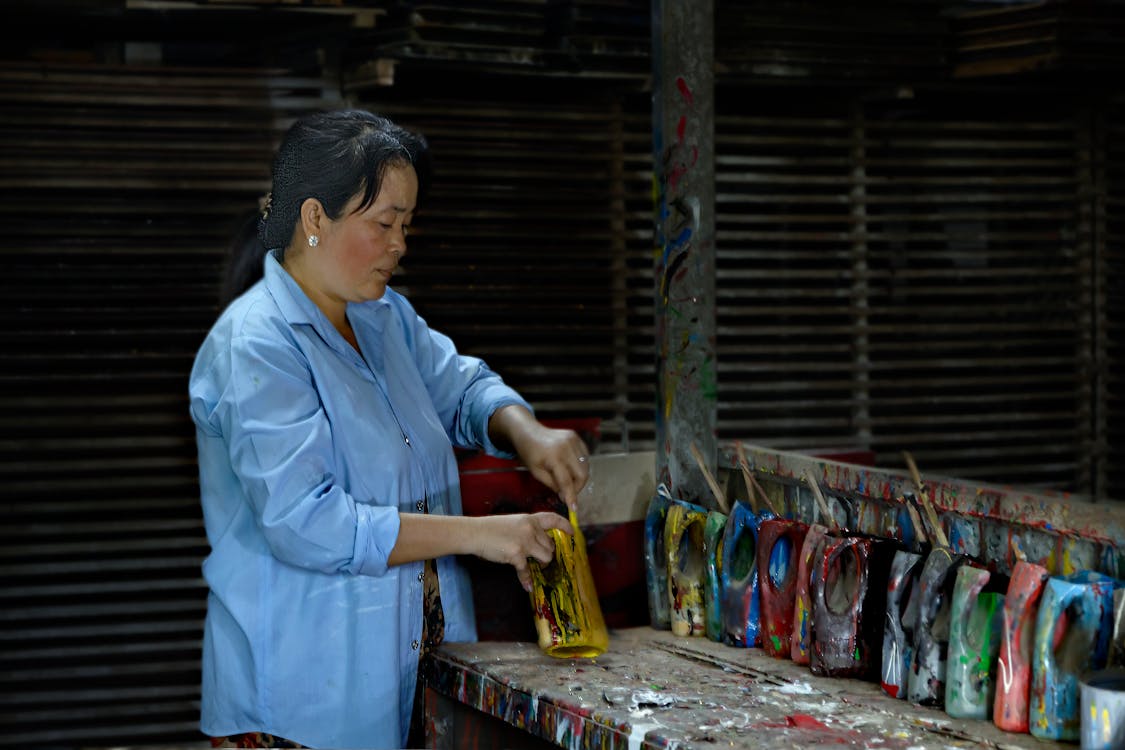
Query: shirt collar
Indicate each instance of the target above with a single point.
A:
(295, 305)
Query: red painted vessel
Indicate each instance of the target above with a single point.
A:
(1013, 671)
(779, 545)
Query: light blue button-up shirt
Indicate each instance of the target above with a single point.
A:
(308, 453)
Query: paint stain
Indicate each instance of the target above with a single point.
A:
(685, 90)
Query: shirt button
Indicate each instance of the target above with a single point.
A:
(420, 505)
(421, 575)
(404, 437)
(414, 645)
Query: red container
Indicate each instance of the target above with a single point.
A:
(1013, 670)
(812, 550)
(779, 549)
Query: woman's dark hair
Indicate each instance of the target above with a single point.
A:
(330, 156)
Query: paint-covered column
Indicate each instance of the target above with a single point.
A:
(683, 120)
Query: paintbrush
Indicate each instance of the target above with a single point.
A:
(746, 478)
(717, 491)
(820, 501)
(751, 483)
(937, 532)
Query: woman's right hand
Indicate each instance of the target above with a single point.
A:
(514, 538)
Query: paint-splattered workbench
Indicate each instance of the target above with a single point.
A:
(653, 689)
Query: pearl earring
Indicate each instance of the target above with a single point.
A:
(313, 240)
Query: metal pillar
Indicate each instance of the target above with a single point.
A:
(683, 120)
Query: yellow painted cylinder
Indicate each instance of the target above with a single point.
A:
(564, 600)
(687, 570)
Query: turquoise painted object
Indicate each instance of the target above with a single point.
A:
(1072, 635)
(739, 576)
(656, 560)
(975, 632)
(713, 591)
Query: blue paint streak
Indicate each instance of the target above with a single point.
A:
(682, 238)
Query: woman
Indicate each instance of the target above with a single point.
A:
(326, 413)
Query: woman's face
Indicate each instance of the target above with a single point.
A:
(361, 250)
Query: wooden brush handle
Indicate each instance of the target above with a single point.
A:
(820, 501)
(936, 531)
(717, 491)
(752, 485)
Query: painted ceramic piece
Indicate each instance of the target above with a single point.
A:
(1013, 684)
(656, 560)
(713, 591)
(926, 681)
(779, 544)
(812, 549)
(1072, 634)
(687, 568)
(849, 595)
(741, 618)
(1103, 710)
(564, 600)
(975, 627)
(899, 622)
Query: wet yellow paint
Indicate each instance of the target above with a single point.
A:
(684, 542)
(1068, 566)
(564, 600)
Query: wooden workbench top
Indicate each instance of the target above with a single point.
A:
(653, 689)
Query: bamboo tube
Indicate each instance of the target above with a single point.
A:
(820, 501)
(937, 532)
(748, 480)
(717, 491)
(752, 485)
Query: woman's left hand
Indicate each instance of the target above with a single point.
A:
(556, 457)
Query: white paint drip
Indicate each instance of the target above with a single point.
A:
(812, 708)
(739, 723)
(650, 698)
(561, 729)
(792, 688)
(637, 734)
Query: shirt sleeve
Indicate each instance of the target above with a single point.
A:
(465, 392)
(281, 449)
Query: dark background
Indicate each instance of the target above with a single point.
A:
(920, 225)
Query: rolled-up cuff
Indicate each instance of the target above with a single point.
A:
(376, 532)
